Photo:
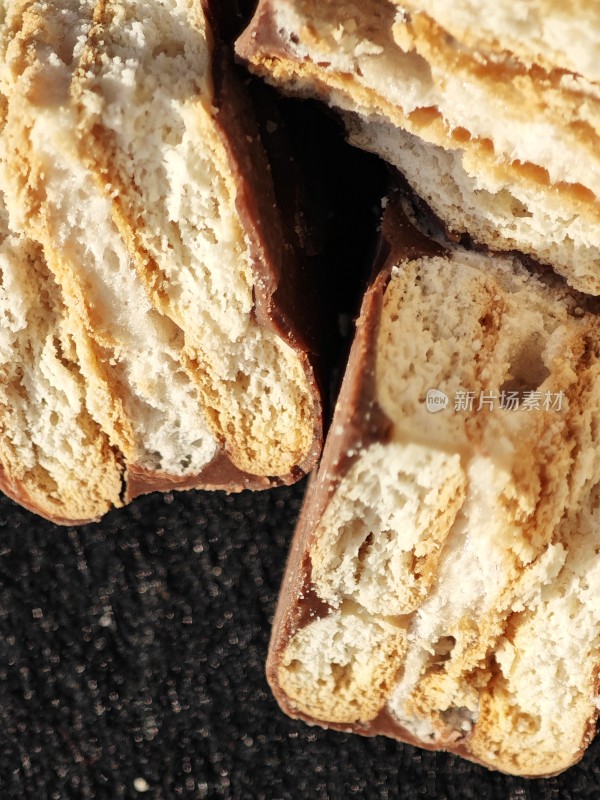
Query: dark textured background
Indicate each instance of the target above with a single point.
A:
(134, 649)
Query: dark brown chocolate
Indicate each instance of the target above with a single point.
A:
(261, 35)
(284, 284)
(220, 473)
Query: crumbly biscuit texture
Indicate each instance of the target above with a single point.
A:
(116, 170)
(501, 107)
(471, 532)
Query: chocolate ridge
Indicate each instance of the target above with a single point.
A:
(219, 473)
(261, 34)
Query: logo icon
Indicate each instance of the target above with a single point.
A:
(435, 401)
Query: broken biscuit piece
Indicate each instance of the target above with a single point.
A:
(132, 160)
(491, 112)
(443, 586)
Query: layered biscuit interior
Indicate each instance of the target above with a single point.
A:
(557, 35)
(53, 455)
(521, 135)
(457, 558)
(112, 124)
(122, 340)
(148, 85)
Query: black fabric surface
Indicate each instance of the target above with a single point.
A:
(131, 666)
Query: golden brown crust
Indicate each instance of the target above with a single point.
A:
(286, 72)
(15, 489)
